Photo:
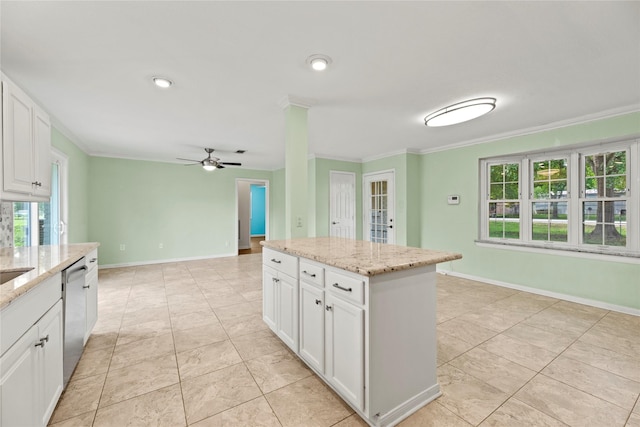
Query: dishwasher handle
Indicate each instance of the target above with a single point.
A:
(82, 270)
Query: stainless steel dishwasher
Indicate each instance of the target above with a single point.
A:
(74, 306)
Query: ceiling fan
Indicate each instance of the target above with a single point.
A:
(212, 163)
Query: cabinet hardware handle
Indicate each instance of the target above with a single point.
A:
(93, 259)
(275, 280)
(318, 302)
(277, 261)
(335, 285)
(86, 286)
(328, 308)
(42, 341)
(308, 274)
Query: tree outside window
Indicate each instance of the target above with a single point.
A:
(504, 204)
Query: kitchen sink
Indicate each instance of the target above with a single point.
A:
(5, 276)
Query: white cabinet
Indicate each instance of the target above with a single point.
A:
(26, 147)
(31, 373)
(344, 326)
(312, 325)
(91, 292)
(280, 296)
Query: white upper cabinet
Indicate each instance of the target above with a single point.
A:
(26, 147)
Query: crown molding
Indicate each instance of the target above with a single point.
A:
(330, 157)
(390, 154)
(289, 100)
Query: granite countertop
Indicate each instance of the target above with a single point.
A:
(45, 260)
(359, 256)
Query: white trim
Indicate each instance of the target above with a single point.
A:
(574, 253)
(579, 300)
(289, 100)
(338, 158)
(60, 127)
(390, 154)
(63, 184)
(536, 129)
(410, 406)
(164, 261)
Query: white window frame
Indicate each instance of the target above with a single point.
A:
(575, 188)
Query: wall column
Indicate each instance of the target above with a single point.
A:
(296, 153)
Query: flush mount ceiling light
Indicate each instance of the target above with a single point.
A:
(319, 62)
(162, 82)
(460, 112)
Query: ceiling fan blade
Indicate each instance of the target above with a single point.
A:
(188, 160)
(230, 163)
(192, 164)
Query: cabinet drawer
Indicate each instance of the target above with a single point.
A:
(91, 259)
(312, 273)
(346, 287)
(24, 312)
(287, 264)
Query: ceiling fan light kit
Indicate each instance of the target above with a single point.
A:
(212, 163)
(460, 112)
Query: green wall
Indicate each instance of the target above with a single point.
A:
(143, 204)
(455, 227)
(78, 187)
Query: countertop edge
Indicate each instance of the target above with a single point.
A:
(9, 297)
(434, 258)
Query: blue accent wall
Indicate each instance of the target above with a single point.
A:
(257, 210)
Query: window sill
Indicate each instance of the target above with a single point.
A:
(551, 249)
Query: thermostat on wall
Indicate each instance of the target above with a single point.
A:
(453, 200)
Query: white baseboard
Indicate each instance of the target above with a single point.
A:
(557, 295)
(164, 261)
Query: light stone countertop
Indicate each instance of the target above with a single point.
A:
(45, 260)
(359, 256)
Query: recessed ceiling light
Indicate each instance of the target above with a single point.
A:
(319, 62)
(460, 112)
(162, 82)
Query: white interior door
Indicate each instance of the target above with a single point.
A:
(379, 207)
(342, 204)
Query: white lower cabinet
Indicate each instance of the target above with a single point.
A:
(344, 348)
(31, 373)
(312, 326)
(91, 292)
(280, 296)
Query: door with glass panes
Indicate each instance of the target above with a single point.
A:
(379, 207)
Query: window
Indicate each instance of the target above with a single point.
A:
(42, 223)
(576, 199)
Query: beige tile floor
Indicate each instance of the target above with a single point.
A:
(184, 344)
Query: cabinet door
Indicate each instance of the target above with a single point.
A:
(269, 284)
(344, 363)
(18, 387)
(50, 361)
(91, 293)
(17, 144)
(312, 325)
(287, 310)
(42, 153)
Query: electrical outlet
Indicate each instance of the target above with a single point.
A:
(122, 247)
(161, 245)
(299, 222)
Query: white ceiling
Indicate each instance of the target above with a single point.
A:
(90, 65)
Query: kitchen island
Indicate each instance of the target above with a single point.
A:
(361, 315)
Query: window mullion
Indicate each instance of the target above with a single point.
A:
(525, 203)
(576, 189)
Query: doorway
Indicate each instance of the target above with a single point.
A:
(342, 204)
(252, 213)
(379, 207)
